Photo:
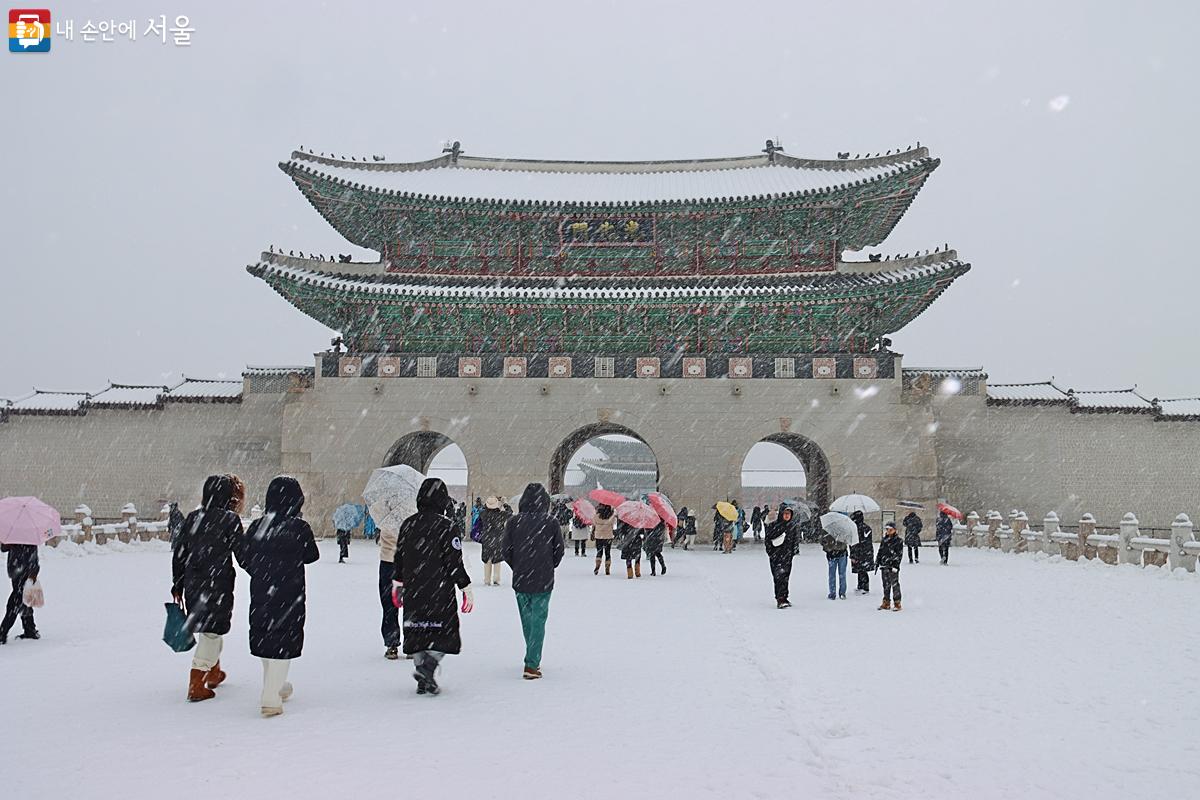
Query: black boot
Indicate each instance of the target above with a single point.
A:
(32, 633)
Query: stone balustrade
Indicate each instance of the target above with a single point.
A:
(1126, 546)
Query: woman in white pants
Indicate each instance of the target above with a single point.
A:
(203, 576)
(274, 551)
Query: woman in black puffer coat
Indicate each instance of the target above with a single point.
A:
(654, 547)
(202, 579)
(274, 552)
(862, 554)
(631, 548)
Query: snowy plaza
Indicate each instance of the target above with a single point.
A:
(747, 400)
(1006, 676)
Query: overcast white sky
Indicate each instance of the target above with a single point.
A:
(141, 178)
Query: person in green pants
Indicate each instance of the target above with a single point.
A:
(532, 548)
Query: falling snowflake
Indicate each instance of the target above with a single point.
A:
(1058, 103)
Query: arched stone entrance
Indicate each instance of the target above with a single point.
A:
(577, 439)
(816, 465)
(417, 449)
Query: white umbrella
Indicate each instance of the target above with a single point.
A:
(849, 503)
(840, 527)
(391, 495)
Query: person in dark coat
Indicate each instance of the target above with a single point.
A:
(22, 566)
(781, 548)
(653, 547)
(202, 579)
(862, 554)
(891, 554)
(756, 519)
(533, 547)
(721, 528)
(492, 520)
(945, 534)
(343, 541)
(630, 540)
(174, 523)
(429, 564)
(912, 536)
(274, 552)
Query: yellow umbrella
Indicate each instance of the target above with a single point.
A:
(727, 511)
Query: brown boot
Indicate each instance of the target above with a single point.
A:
(215, 676)
(607, 567)
(637, 569)
(597, 570)
(197, 691)
(897, 608)
(885, 605)
(629, 572)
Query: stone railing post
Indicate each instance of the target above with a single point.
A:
(256, 511)
(130, 521)
(967, 537)
(1087, 526)
(1182, 532)
(1049, 528)
(1019, 522)
(1126, 552)
(83, 518)
(994, 521)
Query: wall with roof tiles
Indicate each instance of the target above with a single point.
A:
(110, 457)
(1044, 458)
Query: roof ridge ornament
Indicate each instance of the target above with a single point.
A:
(771, 149)
(455, 150)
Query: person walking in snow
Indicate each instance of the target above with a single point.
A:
(22, 566)
(687, 523)
(630, 539)
(891, 555)
(492, 520)
(429, 564)
(533, 548)
(202, 579)
(602, 533)
(835, 554)
(580, 532)
(945, 534)
(755, 521)
(739, 525)
(781, 548)
(174, 522)
(343, 541)
(862, 554)
(653, 547)
(912, 536)
(387, 530)
(274, 552)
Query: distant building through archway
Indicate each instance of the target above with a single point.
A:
(615, 458)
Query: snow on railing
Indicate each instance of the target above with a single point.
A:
(130, 528)
(1127, 546)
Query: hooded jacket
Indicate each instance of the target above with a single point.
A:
(862, 554)
(491, 534)
(274, 552)
(912, 529)
(653, 543)
(788, 529)
(429, 563)
(202, 560)
(945, 529)
(533, 543)
(891, 550)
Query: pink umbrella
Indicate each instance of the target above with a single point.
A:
(637, 514)
(605, 497)
(27, 520)
(662, 507)
(584, 510)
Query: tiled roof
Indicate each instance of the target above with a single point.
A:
(278, 370)
(609, 182)
(1179, 408)
(890, 273)
(44, 402)
(1123, 399)
(127, 395)
(193, 389)
(1043, 392)
(947, 372)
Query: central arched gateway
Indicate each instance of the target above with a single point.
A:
(577, 439)
(417, 449)
(816, 465)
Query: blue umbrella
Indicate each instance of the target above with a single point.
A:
(347, 516)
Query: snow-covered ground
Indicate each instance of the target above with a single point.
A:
(1005, 676)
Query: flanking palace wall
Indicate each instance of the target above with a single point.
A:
(883, 436)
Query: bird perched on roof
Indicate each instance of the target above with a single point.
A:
(290, 253)
(344, 258)
(377, 158)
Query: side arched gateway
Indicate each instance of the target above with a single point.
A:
(417, 449)
(578, 438)
(815, 462)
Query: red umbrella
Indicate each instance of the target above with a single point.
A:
(584, 510)
(605, 497)
(951, 510)
(637, 514)
(662, 507)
